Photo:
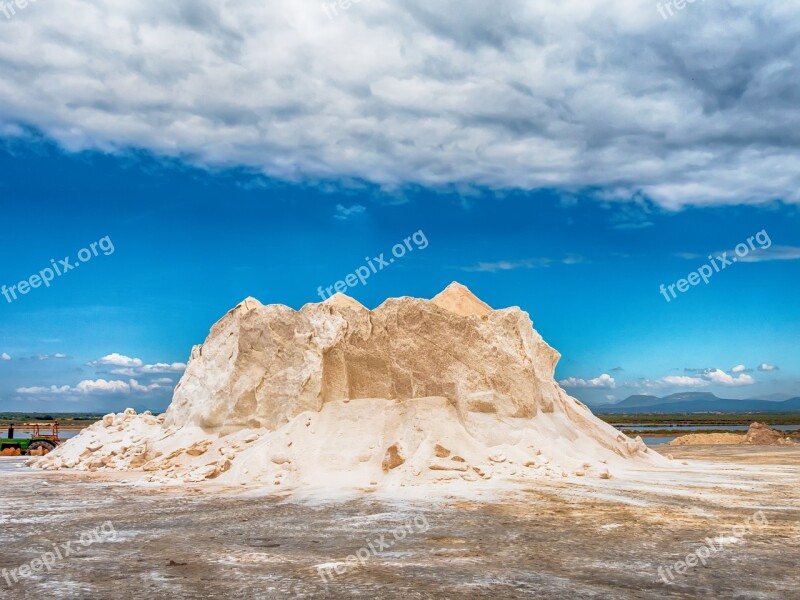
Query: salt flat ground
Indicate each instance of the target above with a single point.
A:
(554, 539)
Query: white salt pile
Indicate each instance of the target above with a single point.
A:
(334, 395)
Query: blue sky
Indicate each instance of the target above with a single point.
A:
(566, 156)
(189, 244)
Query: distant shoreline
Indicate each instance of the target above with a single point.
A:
(628, 423)
(66, 421)
(633, 420)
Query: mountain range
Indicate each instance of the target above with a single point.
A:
(696, 402)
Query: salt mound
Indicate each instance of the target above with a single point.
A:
(759, 434)
(459, 299)
(414, 392)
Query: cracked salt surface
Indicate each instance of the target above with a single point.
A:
(553, 541)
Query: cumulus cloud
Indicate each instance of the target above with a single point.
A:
(131, 367)
(574, 94)
(767, 367)
(702, 378)
(135, 386)
(603, 381)
(101, 385)
(722, 378)
(5, 356)
(683, 381)
(116, 360)
(93, 386)
(151, 369)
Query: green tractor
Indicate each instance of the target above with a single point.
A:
(37, 444)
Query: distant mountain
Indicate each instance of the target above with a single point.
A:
(690, 396)
(639, 400)
(696, 402)
(776, 397)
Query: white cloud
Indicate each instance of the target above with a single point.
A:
(132, 367)
(343, 212)
(117, 360)
(175, 367)
(5, 356)
(101, 385)
(508, 265)
(136, 387)
(683, 381)
(94, 386)
(526, 263)
(604, 381)
(126, 372)
(722, 378)
(704, 377)
(53, 389)
(767, 367)
(578, 94)
(56, 356)
(770, 254)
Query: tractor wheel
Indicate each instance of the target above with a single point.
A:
(40, 448)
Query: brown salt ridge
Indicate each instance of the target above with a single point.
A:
(759, 434)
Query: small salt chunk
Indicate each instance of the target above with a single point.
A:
(483, 470)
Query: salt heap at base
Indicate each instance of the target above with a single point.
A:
(335, 395)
